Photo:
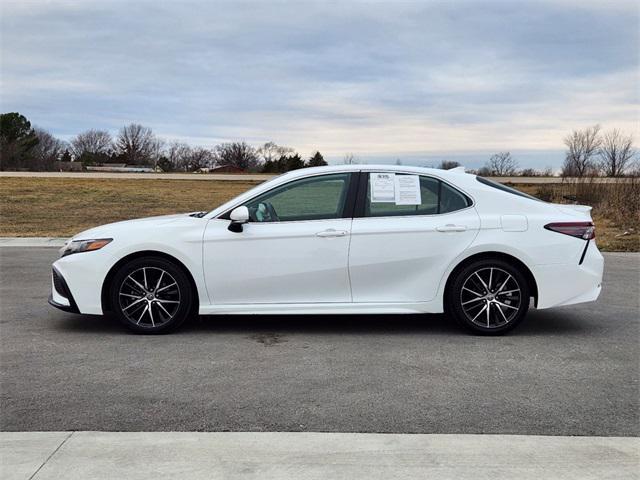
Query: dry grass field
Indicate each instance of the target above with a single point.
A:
(616, 208)
(61, 207)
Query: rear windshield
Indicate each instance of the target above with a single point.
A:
(504, 188)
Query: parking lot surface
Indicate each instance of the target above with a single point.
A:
(566, 371)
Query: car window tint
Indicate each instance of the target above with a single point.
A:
(504, 188)
(451, 199)
(313, 198)
(436, 197)
(429, 205)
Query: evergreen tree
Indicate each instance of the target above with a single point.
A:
(270, 166)
(316, 160)
(293, 162)
(17, 140)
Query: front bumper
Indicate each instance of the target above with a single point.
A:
(60, 296)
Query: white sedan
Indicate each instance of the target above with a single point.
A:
(337, 240)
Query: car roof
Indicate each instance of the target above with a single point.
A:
(303, 172)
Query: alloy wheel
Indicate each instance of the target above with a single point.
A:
(490, 297)
(149, 297)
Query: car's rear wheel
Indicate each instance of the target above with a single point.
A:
(488, 297)
(151, 295)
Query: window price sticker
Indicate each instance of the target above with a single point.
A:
(383, 187)
(407, 190)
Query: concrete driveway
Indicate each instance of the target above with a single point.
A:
(312, 456)
(566, 371)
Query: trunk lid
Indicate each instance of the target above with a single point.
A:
(578, 211)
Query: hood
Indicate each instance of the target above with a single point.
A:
(109, 229)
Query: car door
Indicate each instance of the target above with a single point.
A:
(293, 250)
(400, 252)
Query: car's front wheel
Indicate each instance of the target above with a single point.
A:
(151, 295)
(488, 297)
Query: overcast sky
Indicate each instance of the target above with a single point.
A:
(419, 81)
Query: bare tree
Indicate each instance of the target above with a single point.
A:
(530, 172)
(502, 164)
(199, 158)
(616, 153)
(47, 150)
(91, 142)
(178, 155)
(157, 146)
(350, 159)
(236, 154)
(547, 172)
(582, 146)
(484, 171)
(448, 164)
(270, 152)
(136, 144)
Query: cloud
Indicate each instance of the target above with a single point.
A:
(380, 79)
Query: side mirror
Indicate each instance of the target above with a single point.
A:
(238, 216)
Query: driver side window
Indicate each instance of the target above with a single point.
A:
(315, 198)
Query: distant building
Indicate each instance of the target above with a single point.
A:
(68, 166)
(225, 169)
(123, 169)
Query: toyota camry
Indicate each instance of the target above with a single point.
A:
(349, 239)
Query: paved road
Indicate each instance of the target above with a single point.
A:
(255, 176)
(567, 371)
(142, 176)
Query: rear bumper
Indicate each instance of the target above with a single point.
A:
(60, 296)
(570, 283)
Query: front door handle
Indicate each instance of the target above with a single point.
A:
(451, 228)
(331, 233)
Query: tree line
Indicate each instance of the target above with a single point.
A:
(590, 152)
(24, 147)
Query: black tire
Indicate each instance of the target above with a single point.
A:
(154, 283)
(488, 311)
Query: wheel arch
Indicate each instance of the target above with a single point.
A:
(519, 264)
(104, 294)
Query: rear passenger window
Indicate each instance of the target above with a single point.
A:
(451, 199)
(435, 197)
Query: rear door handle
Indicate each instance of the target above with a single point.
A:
(331, 233)
(451, 228)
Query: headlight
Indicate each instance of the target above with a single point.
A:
(78, 246)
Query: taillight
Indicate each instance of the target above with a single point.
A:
(584, 230)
